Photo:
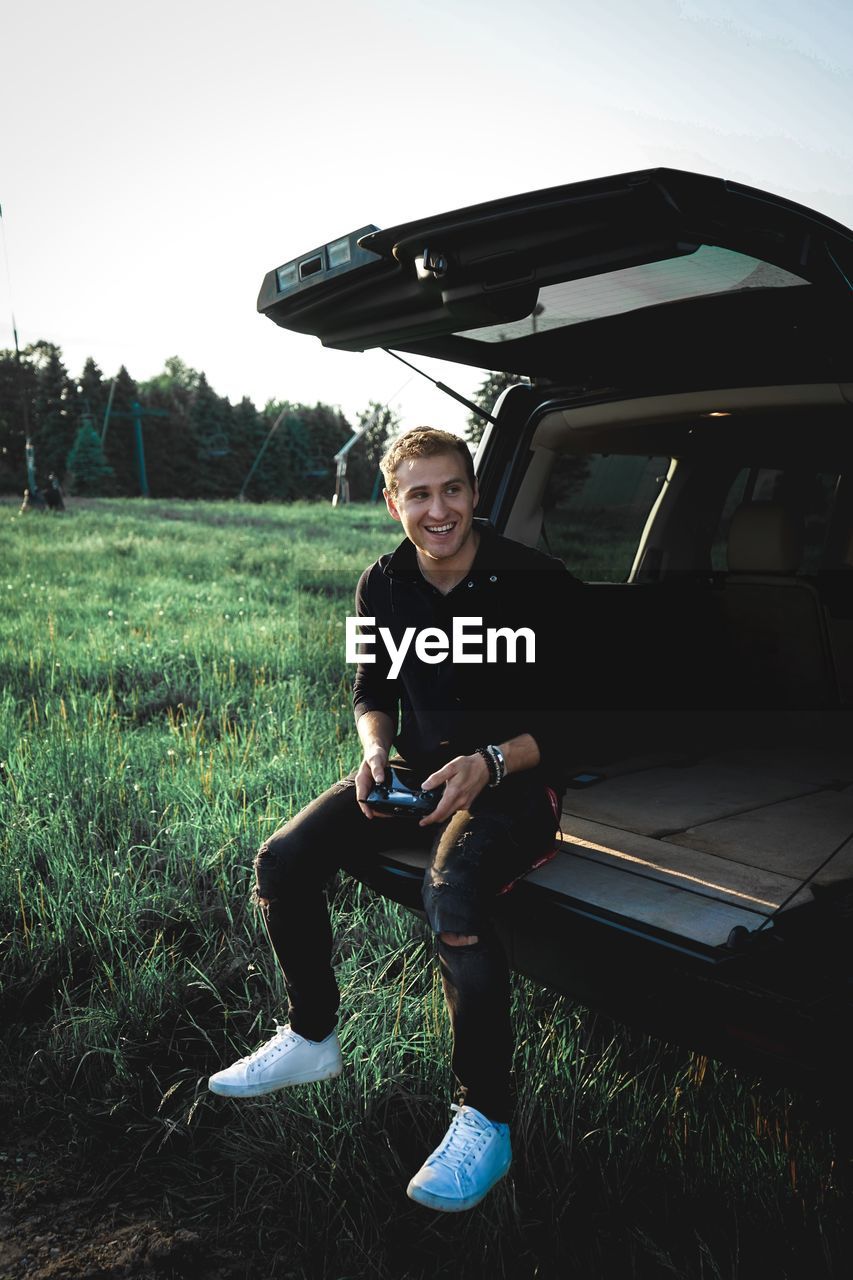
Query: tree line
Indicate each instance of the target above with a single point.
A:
(195, 443)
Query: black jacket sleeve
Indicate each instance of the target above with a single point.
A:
(372, 688)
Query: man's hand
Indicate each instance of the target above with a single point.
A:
(376, 732)
(464, 778)
(371, 770)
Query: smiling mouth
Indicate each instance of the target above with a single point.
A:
(439, 530)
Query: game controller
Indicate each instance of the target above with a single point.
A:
(395, 797)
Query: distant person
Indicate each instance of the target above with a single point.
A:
(489, 735)
(33, 501)
(53, 494)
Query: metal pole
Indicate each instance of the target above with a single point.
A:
(108, 410)
(140, 449)
(30, 454)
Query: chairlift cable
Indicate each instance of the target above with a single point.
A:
(363, 428)
(399, 389)
(108, 411)
(241, 495)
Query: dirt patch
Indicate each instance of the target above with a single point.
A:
(34, 1248)
(50, 1229)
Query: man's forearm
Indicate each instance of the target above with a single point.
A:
(466, 776)
(376, 731)
(520, 753)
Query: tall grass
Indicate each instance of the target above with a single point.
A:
(173, 687)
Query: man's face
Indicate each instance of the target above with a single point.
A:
(435, 503)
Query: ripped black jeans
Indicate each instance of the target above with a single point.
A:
(474, 855)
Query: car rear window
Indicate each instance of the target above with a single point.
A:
(709, 270)
(596, 507)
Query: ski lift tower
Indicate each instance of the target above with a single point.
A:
(341, 494)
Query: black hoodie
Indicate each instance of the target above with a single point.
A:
(444, 709)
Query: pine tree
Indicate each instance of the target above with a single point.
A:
(55, 422)
(247, 431)
(120, 445)
(17, 413)
(269, 461)
(92, 394)
(486, 395)
(326, 431)
(291, 456)
(170, 449)
(89, 471)
(207, 431)
(177, 378)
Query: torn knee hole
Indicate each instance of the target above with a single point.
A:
(261, 900)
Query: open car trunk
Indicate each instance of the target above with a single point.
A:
(682, 437)
(696, 848)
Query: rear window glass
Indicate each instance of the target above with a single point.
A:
(807, 493)
(596, 507)
(708, 271)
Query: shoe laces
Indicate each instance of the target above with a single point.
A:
(282, 1034)
(464, 1138)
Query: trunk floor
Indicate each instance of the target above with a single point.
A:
(698, 849)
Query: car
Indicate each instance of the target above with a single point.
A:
(679, 429)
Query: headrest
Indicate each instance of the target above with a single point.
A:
(764, 537)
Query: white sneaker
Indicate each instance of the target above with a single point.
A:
(474, 1155)
(285, 1059)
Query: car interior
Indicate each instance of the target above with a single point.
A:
(709, 682)
(716, 685)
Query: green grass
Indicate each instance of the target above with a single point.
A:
(173, 687)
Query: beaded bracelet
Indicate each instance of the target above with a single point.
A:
(500, 763)
(495, 763)
(490, 765)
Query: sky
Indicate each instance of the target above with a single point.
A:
(156, 160)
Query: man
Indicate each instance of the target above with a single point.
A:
(487, 734)
(53, 494)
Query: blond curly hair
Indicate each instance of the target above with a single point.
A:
(423, 442)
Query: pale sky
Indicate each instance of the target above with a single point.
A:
(157, 160)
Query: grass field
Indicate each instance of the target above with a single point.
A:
(173, 687)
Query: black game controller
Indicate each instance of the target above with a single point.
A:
(395, 797)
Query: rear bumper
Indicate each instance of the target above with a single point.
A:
(774, 1008)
